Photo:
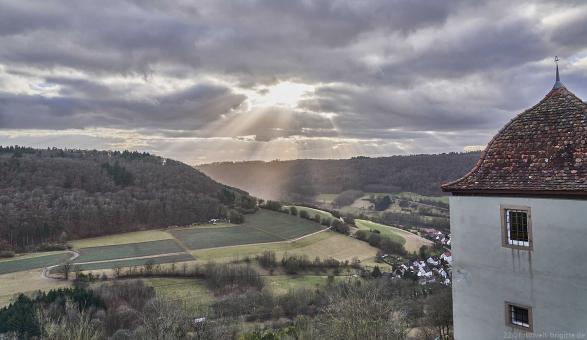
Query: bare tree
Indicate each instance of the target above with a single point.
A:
(65, 269)
(439, 313)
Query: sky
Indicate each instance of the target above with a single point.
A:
(206, 81)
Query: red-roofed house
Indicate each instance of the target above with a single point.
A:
(519, 226)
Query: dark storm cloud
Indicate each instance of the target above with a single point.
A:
(391, 69)
(188, 109)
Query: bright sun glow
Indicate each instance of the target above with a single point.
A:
(286, 94)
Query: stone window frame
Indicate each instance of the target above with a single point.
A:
(508, 316)
(504, 231)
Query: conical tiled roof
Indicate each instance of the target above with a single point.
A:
(542, 151)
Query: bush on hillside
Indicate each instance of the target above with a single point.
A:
(304, 214)
(340, 227)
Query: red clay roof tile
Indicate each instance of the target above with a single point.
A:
(542, 150)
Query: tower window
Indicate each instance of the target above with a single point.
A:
(516, 227)
(519, 316)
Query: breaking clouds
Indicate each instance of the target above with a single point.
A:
(205, 81)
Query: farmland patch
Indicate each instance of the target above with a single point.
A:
(18, 265)
(128, 250)
(135, 262)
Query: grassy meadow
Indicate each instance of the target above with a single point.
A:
(196, 244)
(29, 281)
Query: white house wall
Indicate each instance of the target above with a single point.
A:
(552, 278)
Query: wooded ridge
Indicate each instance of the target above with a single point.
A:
(300, 180)
(53, 195)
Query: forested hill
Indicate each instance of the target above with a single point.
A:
(55, 195)
(301, 179)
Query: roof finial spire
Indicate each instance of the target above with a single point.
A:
(557, 83)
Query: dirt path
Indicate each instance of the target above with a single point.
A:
(47, 269)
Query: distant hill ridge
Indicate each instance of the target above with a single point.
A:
(300, 180)
(48, 195)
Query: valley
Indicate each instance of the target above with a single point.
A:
(222, 252)
(263, 231)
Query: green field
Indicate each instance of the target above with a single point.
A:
(281, 225)
(221, 237)
(18, 265)
(128, 250)
(135, 262)
(383, 229)
(264, 226)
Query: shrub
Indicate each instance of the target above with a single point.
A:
(374, 240)
(376, 272)
(304, 214)
(362, 235)
(236, 217)
(6, 253)
(52, 247)
(297, 302)
(293, 211)
(424, 252)
(295, 263)
(340, 227)
(267, 259)
(390, 246)
(382, 203)
(222, 277)
(273, 205)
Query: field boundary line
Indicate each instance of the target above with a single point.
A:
(181, 244)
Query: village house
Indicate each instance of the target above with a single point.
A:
(425, 272)
(519, 226)
(436, 236)
(447, 257)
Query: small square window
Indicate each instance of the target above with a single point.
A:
(519, 316)
(516, 227)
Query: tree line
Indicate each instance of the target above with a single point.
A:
(52, 195)
(300, 180)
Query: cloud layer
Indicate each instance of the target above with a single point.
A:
(214, 80)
